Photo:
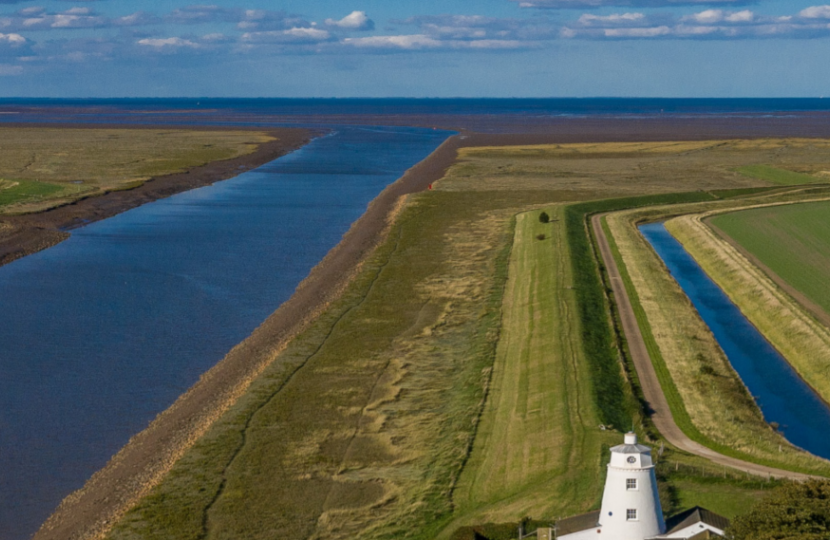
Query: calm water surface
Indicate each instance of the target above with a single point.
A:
(102, 332)
(779, 391)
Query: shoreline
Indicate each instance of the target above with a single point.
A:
(33, 232)
(89, 512)
(146, 458)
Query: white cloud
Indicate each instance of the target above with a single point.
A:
(816, 12)
(167, 43)
(637, 32)
(356, 20)
(292, 35)
(12, 39)
(414, 41)
(626, 18)
(744, 16)
(709, 16)
(588, 4)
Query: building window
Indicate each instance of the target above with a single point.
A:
(631, 484)
(631, 514)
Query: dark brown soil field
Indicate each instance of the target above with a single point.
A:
(150, 454)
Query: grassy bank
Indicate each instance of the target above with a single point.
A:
(702, 389)
(42, 166)
(455, 381)
(800, 338)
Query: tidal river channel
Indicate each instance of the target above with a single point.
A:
(781, 394)
(105, 330)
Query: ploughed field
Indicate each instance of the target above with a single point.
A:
(42, 167)
(463, 376)
(793, 241)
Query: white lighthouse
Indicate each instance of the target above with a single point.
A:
(631, 506)
(630, 503)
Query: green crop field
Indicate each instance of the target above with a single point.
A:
(792, 240)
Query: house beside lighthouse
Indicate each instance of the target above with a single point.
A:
(631, 507)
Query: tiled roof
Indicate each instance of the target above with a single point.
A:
(577, 523)
(695, 515)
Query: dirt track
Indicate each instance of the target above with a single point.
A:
(661, 414)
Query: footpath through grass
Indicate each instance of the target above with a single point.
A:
(538, 450)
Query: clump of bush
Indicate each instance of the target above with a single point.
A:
(544, 217)
(540, 236)
(797, 510)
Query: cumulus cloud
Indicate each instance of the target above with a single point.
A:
(587, 4)
(167, 43)
(423, 42)
(356, 20)
(477, 27)
(15, 40)
(292, 35)
(706, 24)
(38, 18)
(816, 12)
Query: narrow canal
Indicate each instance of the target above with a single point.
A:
(104, 331)
(781, 394)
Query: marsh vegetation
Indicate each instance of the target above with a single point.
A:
(471, 371)
(42, 167)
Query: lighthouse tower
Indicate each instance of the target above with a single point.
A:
(630, 505)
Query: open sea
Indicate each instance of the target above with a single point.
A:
(105, 330)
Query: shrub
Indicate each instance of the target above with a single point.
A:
(544, 217)
(797, 510)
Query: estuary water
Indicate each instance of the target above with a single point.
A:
(781, 394)
(105, 330)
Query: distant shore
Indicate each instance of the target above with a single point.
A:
(25, 234)
(148, 456)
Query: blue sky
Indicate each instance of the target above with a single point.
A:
(429, 48)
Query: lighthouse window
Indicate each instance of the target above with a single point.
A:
(631, 514)
(631, 484)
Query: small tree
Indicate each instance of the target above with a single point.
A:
(544, 217)
(797, 510)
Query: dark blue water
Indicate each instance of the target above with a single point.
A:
(459, 106)
(102, 332)
(484, 115)
(782, 395)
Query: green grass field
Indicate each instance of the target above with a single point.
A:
(81, 162)
(16, 191)
(777, 176)
(463, 375)
(540, 422)
(792, 240)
